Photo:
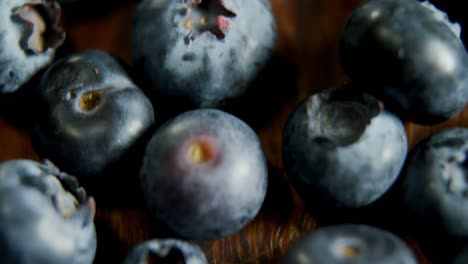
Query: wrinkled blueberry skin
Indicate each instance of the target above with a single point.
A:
(349, 243)
(18, 61)
(46, 217)
(202, 67)
(410, 54)
(166, 251)
(435, 185)
(209, 195)
(462, 256)
(93, 114)
(340, 149)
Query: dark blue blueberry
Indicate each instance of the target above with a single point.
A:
(350, 244)
(169, 251)
(435, 186)
(408, 52)
(45, 217)
(29, 36)
(202, 51)
(341, 149)
(93, 114)
(204, 174)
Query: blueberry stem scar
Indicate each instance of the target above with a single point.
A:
(200, 151)
(90, 100)
(349, 251)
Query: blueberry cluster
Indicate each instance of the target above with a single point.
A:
(201, 171)
(344, 149)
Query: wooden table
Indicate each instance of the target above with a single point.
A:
(309, 31)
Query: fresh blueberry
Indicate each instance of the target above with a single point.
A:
(45, 217)
(93, 114)
(170, 251)
(341, 150)
(349, 243)
(204, 174)
(462, 256)
(29, 37)
(408, 52)
(202, 51)
(435, 186)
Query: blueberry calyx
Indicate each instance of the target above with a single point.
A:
(40, 29)
(85, 213)
(454, 173)
(68, 197)
(166, 251)
(341, 118)
(206, 16)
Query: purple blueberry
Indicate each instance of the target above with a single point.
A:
(93, 114)
(341, 149)
(202, 51)
(170, 251)
(29, 37)
(349, 243)
(409, 53)
(204, 174)
(435, 186)
(45, 217)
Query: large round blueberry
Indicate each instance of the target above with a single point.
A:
(170, 251)
(94, 114)
(45, 217)
(408, 52)
(353, 244)
(29, 36)
(204, 174)
(202, 51)
(340, 149)
(435, 186)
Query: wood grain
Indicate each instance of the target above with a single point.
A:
(308, 34)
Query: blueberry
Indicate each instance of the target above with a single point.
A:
(29, 37)
(202, 51)
(349, 243)
(93, 114)
(204, 174)
(410, 54)
(462, 256)
(166, 251)
(435, 186)
(341, 150)
(45, 217)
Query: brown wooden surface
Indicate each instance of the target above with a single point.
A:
(308, 38)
